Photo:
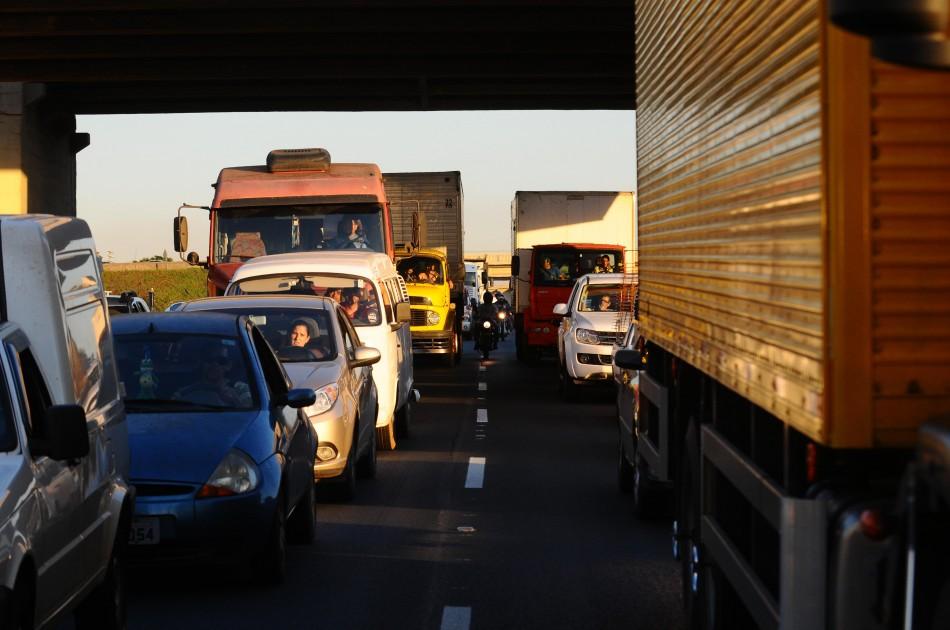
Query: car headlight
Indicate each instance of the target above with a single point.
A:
(326, 396)
(502, 315)
(486, 324)
(236, 474)
(432, 318)
(584, 335)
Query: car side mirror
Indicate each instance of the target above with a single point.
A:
(515, 265)
(65, 436)
(181, 233)
(364, 355)
(560, 309)
(299, 398)
(629, 359)
(403, 312)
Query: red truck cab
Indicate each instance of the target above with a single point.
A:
(298, 202)
(551, 276)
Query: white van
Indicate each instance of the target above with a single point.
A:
(375, 298)
(64, 456)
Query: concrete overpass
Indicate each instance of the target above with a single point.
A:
(59, 58)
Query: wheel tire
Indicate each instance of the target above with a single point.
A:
(455, 356)
(624, 470)
(302, 526)
(366, 465)
(346, 487)
(386, 437)
(688, 518)
(106, 607)
(566, 385)
(18, 613)
(271, 563)
(403, 420)
(485, 354)
(645, 498)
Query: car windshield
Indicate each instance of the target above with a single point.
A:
(356, 295)
(244, 233)
(599, 297)
(298, 335)
(177, 373)
(421, 270)
(561, 267)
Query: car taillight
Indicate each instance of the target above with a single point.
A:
(873, 525)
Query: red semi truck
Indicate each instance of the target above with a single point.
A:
(544, 270)
(299, 201)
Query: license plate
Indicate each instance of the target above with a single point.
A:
(144, 531)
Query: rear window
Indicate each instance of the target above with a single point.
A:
(171, 373)
(356, 295)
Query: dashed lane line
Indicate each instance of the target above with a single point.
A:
(481, 416)
(475, 477)
(483, 387)
(456, 617)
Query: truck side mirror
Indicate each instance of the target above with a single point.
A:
(629, 359)
(193, 259)
(560, 309)
(515, 265)
(65, 434)
(181, 234)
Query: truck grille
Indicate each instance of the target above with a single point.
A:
(418, 299)
(419, 317)
(431, 344)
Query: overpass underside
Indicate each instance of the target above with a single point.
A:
(60, 58)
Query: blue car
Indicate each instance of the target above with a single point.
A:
(222, 452)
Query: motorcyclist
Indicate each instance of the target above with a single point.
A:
(486, 312)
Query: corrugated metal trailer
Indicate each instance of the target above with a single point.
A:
(438, 197)
(794, 259)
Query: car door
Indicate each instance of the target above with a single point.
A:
(59, 493)
(361, 380)
(295, 437)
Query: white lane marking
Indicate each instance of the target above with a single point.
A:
(456, 617)
(482, 387)
(481, 416)
(482, 368)
(475, 477)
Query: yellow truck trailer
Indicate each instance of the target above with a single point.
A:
(794, 307)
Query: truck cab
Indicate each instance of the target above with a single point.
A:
(65, 517)
(300, 201)
(436, 322)
(552, 271)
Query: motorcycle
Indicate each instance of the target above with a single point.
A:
(486, 336)
(502, 324)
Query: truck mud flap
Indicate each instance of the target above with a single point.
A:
(802, 528)
(654, 444)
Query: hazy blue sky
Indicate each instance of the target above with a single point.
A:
(138, 169)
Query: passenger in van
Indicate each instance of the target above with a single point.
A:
(336, 293)
(211, 385)
(351, 302)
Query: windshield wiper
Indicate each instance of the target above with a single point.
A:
(163, 403)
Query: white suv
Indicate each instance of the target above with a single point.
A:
(588, 331)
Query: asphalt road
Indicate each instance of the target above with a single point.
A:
(547, 541)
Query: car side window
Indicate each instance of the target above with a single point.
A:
(274, 374)
(35, 394)
(349, 344)
(570, 300)
(8, 435)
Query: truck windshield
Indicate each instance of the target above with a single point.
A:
(561, 267)
(356, 295)
(244, 233)
(421, 270)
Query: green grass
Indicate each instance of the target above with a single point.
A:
(169, 286)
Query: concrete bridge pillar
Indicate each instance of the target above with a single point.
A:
(38, 146)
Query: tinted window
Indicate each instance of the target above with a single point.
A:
(560, 267)
(35, 393)
(356, 295)
(77, 271)
(8, 436)
(170, 373)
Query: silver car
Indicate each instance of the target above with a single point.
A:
(320, 350)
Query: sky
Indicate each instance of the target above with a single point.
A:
(140, 168)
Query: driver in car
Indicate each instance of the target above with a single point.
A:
(212, 386)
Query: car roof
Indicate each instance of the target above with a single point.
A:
(223, 324)
(312, 302)
(356, 262)
(602, 278)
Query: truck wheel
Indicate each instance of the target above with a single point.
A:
(271, 563)
(691, 551)
(403, 419)
(645, 495)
